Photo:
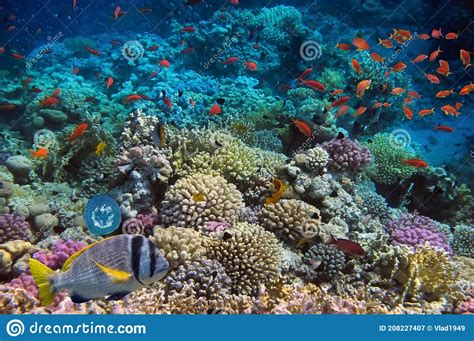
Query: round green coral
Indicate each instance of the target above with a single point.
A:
(389, 168)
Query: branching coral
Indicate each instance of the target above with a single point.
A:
(14, 227)
(250, 255)
(291, 220)
(178, 244)
(463, 240)
(347, 154)
(199, 198)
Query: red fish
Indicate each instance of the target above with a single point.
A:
(40, 153)
(387, 43)
(361, 44)
(451, 36)
(49, 102)
(17, 56)
(35, 90)
(153, 48)
(74, 2)
(93, 51)
(188, 50)
(303, 127)
(446, 129)
(337, 92)
(56, 92)
(110, 82)
(417, 163)
(230, 61)
(11, 28)
(27, 81)
(400, 66)
(191, 101)
(75, 71)
(315, 85)
(432, 78)
(145, 10)
(436, 33)
(2, 50)
(134, 98)
(167, 102)
(188, 29)
(342, 110)
(434, 54)
(234, 2)
(465, 57)
(424, 36)
(164, 63)
(408, 112)
(215, 110)
(356, 66)
(444, 93)
(347, 246)
(360, 111)
(419, 58)
(117, 12)
(78, 132)
(251, 66)
(343, 46)
(425, 112)
(7, 106)
(376, 57)
(414, 94)
(340, 101)
(306, 73)
(362, 86)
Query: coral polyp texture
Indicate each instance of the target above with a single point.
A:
(282, 157)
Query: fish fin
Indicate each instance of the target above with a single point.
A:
(69, 261)
(78, 299)
(118, 276)
(41, 274)
(331, 240)
(117, 296)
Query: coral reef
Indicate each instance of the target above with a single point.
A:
(14, 227)
(347, 155)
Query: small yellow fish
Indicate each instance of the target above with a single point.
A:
(100, 148)
(198, 197)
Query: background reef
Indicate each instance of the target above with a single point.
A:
(243, 201)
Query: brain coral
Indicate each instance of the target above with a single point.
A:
(388, 166)
(199, 198)
(206, 277)
(250, 255)
(178, 244)
(290, 219)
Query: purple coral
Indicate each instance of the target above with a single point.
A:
(347, 154)
(14, 227)
(61, 251)
(414, 230)
(217, 226)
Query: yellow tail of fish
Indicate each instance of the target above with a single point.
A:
(41, 273)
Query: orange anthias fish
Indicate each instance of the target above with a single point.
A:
(93, 51)
(446, 129)
(75, 71)
(376, 57)
(443, 68)
(135, 97)
(414, 94)
(451, 36)
(342, 110)
(110, 82)
(400, 66)
(417, 163)
(40, 153)
(305, 73)
(408, 112)
(189, 29)
(400, 36)
(56, 92)
(360, 43)
(432, 78)
(347, 246)
(215, 110)
(117, 12)
(336, 92)
(164, 63)
(356, 66)
(450, 110)
(436, 33)
(465, 57)
(340, 101)
(424, 36)
(78, 132)
(362, 86)
(434, 54)
(251, 66)
(280, 189)
(303, 127)
(230, 61)
(387, 43)
(49, 102)
(167, 102)
(425, 112)
(397, 91)
(444, 93)
(315, 85)
(419, 58)
(343, 46)
(466, 89)
(360, 111)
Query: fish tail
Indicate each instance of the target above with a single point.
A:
(42, 274)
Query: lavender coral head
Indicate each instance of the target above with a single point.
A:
(347, 154)
(60, 252)
(414, 230)
(14, 227)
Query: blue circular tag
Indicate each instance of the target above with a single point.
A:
(102, 215)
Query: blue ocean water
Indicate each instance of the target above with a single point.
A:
(328, 125)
